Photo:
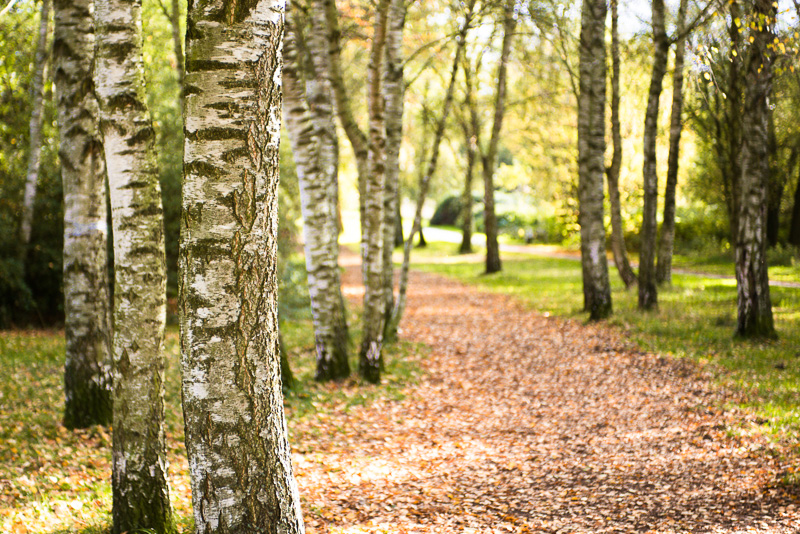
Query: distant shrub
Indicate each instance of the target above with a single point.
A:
(448, 212)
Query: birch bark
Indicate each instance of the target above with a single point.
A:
(140, 492)
(394, 91)
(370, 361)
(325, 15)
(316, 164)
(734, 103)
(87, 307)
(754, 305)
(612, 173)
(591, 148)
(35, 127)
(648, 292)
(667, 239)
(236, 436)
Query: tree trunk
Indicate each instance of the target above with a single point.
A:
(648, 292)
(775, 184)
(591, 149)
(325, 15)
(87, 307)
(394, 90)
(316, 164)
(734, 119)
(236, 436)
(35, 129)
(177, 45)
(370, 360)
(287, 377)
(754, 306)
(667, 240)
(425, 179)
(466, 197)
(422, 243)
(140, 493)
(398, 222)
(612, 173)
(489, 159)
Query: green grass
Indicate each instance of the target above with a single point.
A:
(54, 481)
(696, 320)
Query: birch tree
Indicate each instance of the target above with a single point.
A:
(87, 308)
(666, 239)
(394, 94)
(754, 305)
(591, 147)
(612, 172)
(489, 157)
(315, 154)
(370, 359)
(648, 294)
(430, 169)
(236, 436)
(35, 127)
(372, 161)
(140, 492)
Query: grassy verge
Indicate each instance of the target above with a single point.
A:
(696, 320)
(55, 481)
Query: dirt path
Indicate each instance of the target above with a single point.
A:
(524, 423)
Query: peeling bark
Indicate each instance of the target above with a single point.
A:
(591, 149)
(754, 305)
(236, 436)
(87, 306)
(315, 155)
(618, 248)
(140, 492)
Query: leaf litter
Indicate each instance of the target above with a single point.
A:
(528, 423)
(518, 422)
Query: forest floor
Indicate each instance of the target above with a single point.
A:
(491, 418)
(527, 423)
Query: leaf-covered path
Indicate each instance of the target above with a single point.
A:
(525, 423)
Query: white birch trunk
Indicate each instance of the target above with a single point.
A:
(140, 493)
(754, 318)
(316, 162)
(370, 361)
(394, 91)
(591, 147)
(35, 128)
(236, 437)
(87, 308)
